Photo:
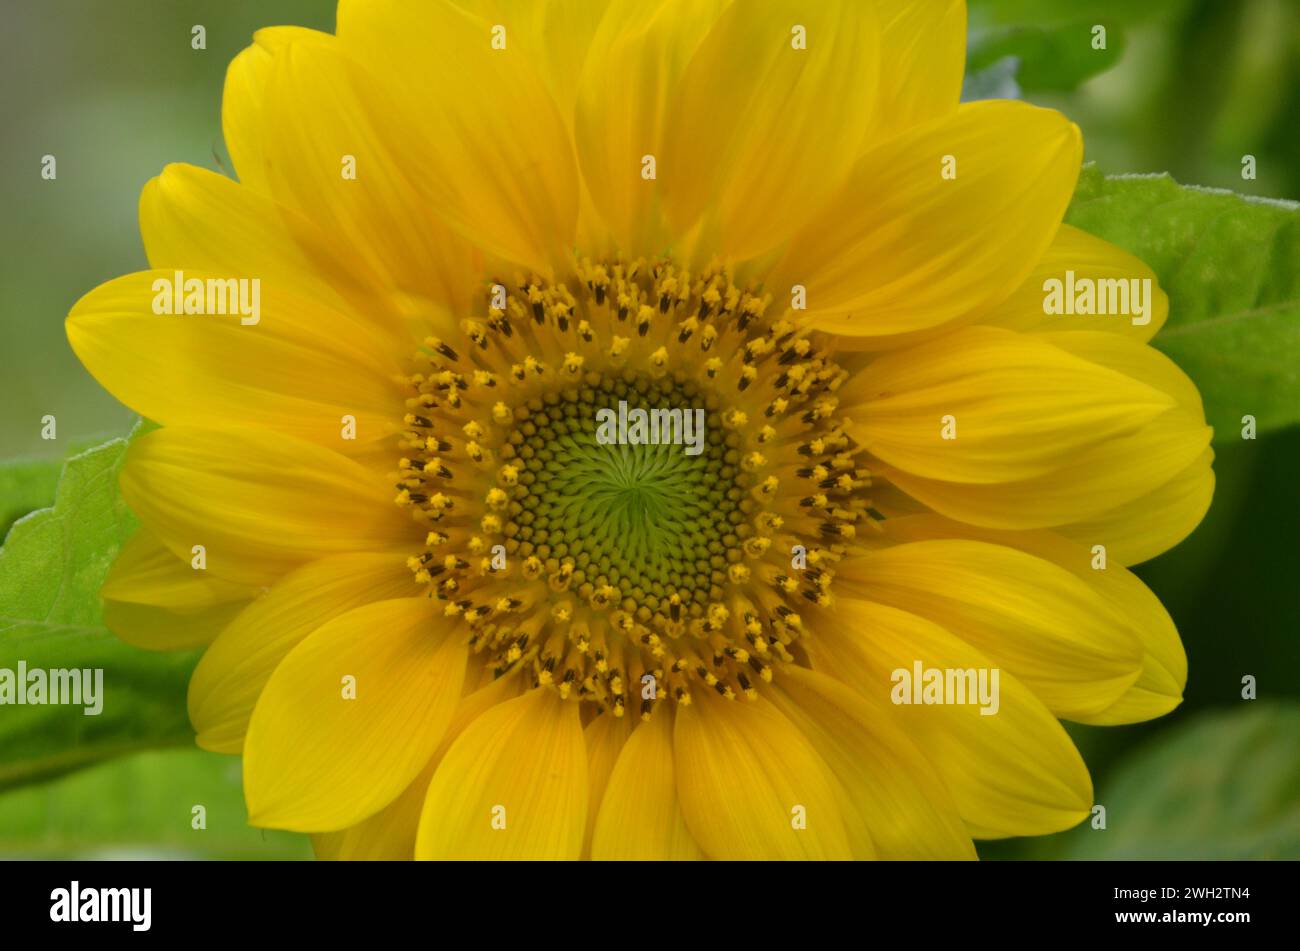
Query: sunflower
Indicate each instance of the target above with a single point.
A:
(441, 618)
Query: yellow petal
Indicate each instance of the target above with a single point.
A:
(191, 218)
(889, 786)
(635, 61)
(604, 736)
(1153, 523)
(766, 121)
(923, 59)
(521, 765)
(241, 100)
(1159, 688)
(146, 572)
(1089, 258)
(232, 672)
(1161, 518)
(298, 370)
(156, 601)
(504, 177)
(557, 34)
(900, 249)
(1060, 637)
(1012, 773)
(254, 140)
(1097, 480)
(1134, 360)
(318, 760)
(723, 747)
(334, 152)
(1019, 406)
(639, 817)
(389, 835)
(163, 629)
(260, 503)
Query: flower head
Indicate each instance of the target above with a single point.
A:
(642, 400)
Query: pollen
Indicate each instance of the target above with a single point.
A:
(639, 569)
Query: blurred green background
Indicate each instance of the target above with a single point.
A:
(115, 91)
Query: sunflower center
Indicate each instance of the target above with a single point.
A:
(610, 485)
(630, 489)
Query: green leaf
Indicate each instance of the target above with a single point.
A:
(1225, 785)
(1057, 12)
(51, 568)
(997, 80)
(26, 485)
(1231, 267)
(1049, 58)
(142, 806)
(29, 484)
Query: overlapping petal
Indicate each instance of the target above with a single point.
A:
(1159, 687)
(154, 600)
(260, 503)
(768, 117)
(320, 753)
(901, 248)
(503, 177)
(982, 405)
(1074, 648)
(235, 668)
(790, 807)
(891, 790)
(923, 58)
(624, 109)
(1078, 256)
(513, 785)
(294, 366)
(389, 834)
(1012, 773)
(640, 819)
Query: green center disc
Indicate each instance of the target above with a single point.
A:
(650, 520)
